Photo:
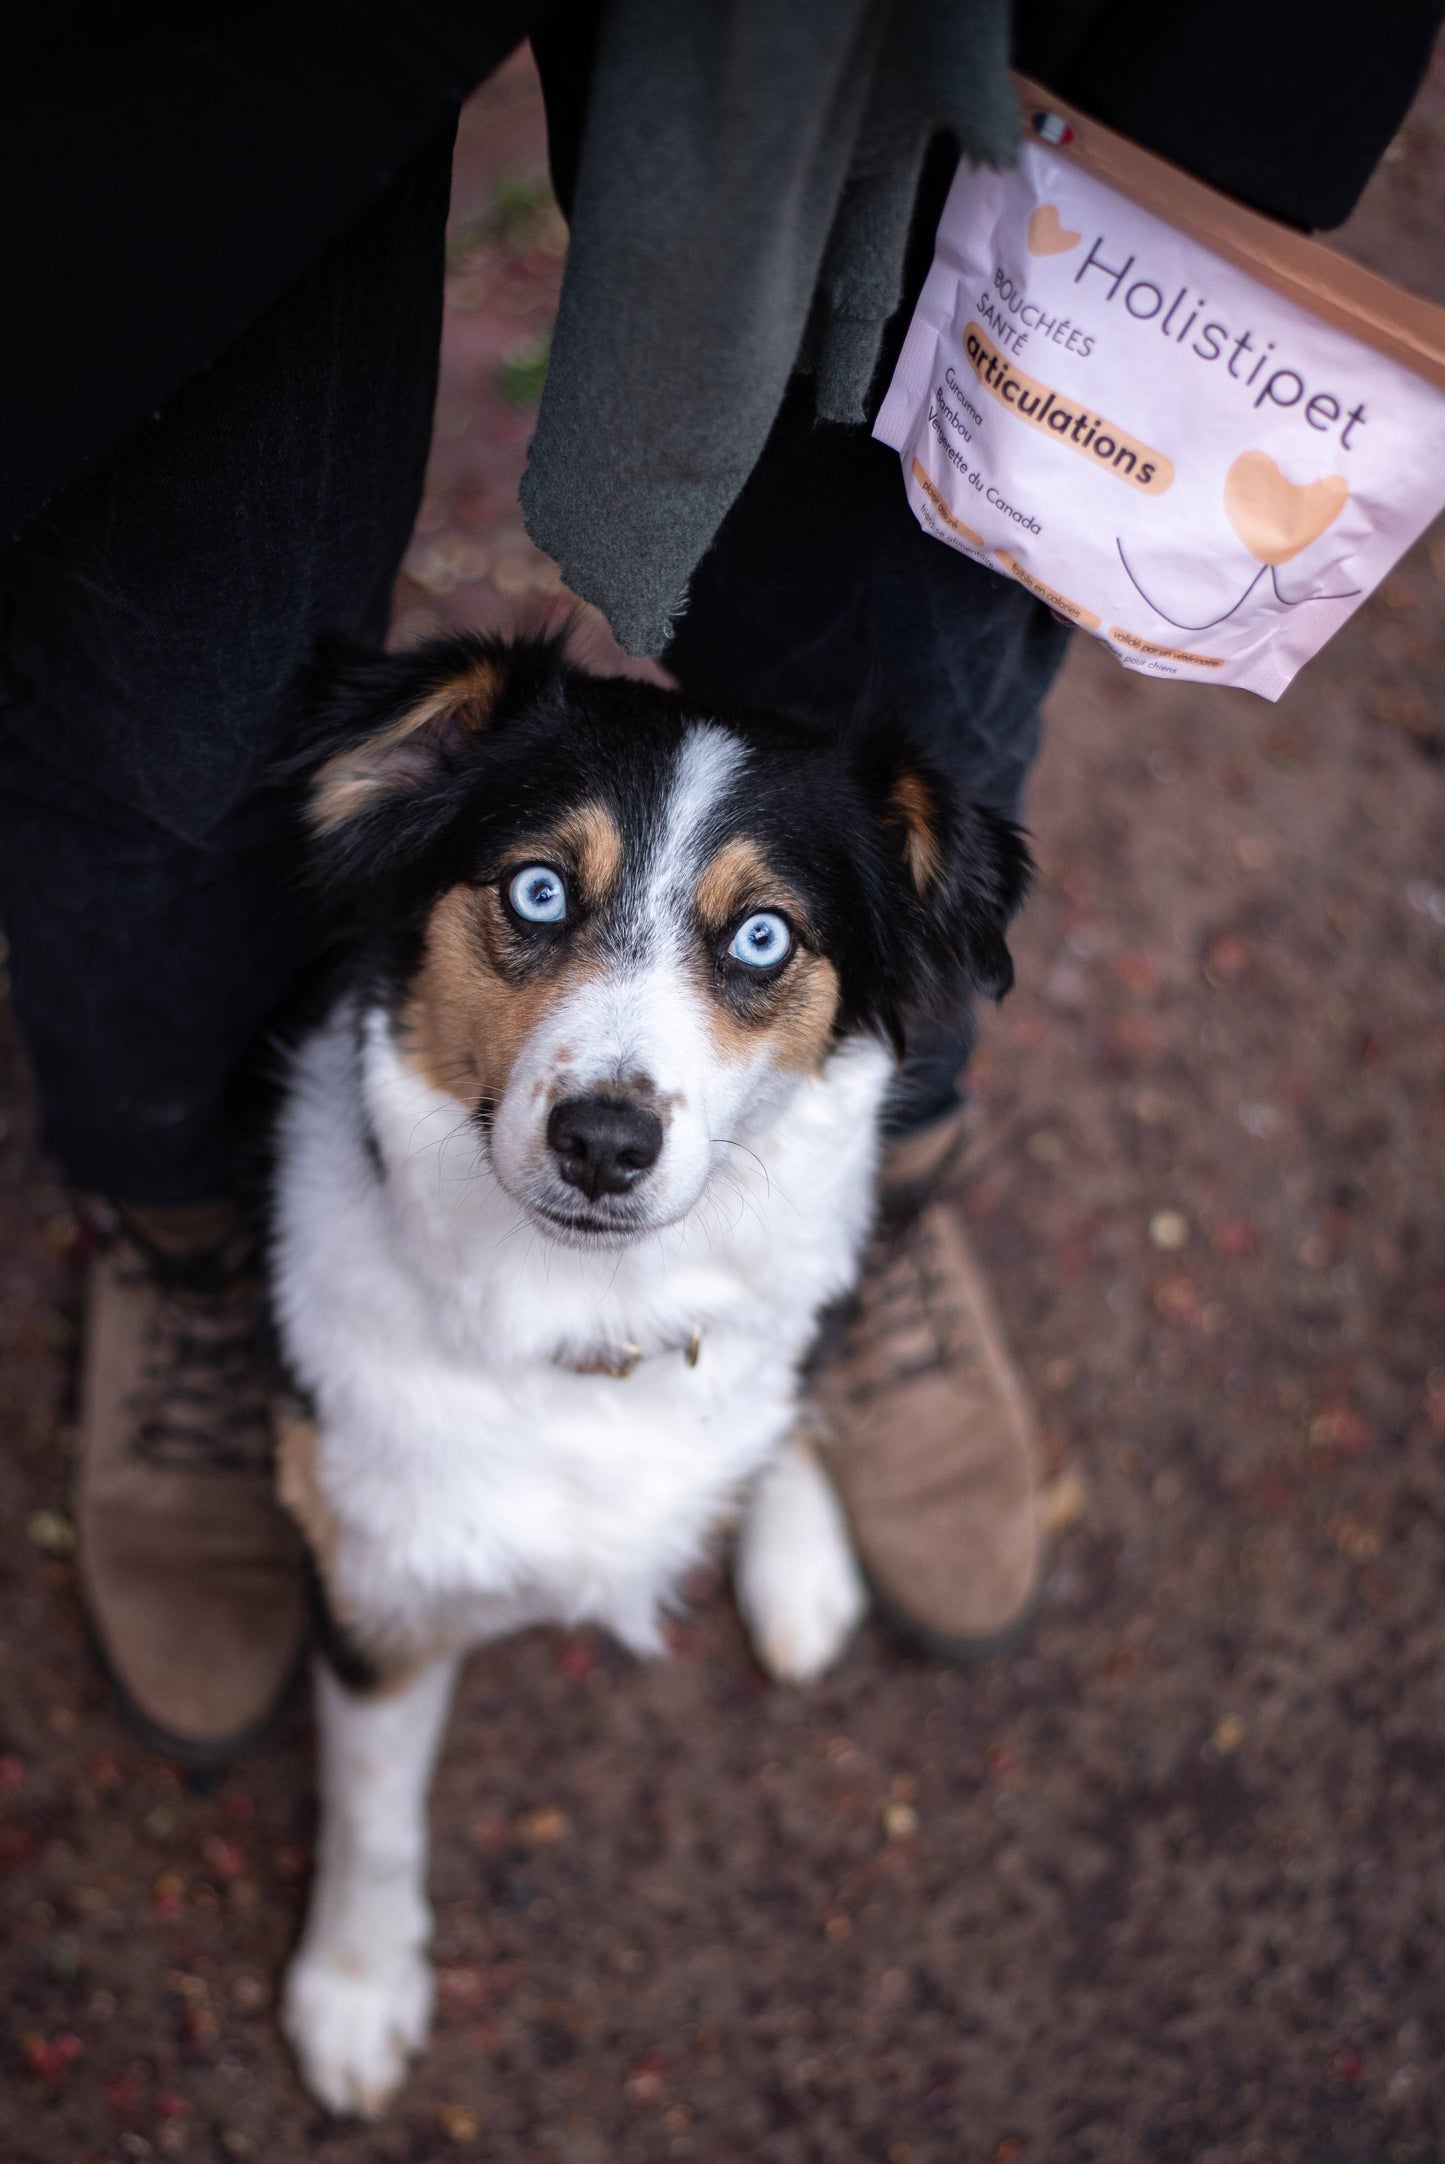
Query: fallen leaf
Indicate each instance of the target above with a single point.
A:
(647, 2082)
(51, 2058)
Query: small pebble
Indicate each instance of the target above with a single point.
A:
(1169, 1229)
(51, 1531)
(1061, 1502)
(458, 2123)
(900, 1820)
(543, 1827)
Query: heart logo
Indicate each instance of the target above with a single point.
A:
(1047, 236)
(1275, 518)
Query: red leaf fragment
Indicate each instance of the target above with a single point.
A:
(17, 1847)
(1178, 1302)
(1341, 1427)
(51, 2058)
(1136, 971)
(122, 2097)
(105, 1771)
(226, 1858)
(1225, 959)
(576, 1657)
(199, 2025)
(462, 1987)
(647, 2082)
(168, 1896)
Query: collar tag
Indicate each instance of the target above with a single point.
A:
(625, 1359)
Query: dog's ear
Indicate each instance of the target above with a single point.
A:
(384, 726)
(963, 872)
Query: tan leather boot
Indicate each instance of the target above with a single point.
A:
(193, 1575)
(932, 1443)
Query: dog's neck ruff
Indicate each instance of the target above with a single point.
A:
(625, 1359)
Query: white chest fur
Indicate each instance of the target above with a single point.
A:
(471, 1484)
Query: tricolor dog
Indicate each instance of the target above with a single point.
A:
(581, 1151)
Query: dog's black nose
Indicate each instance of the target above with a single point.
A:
(603, 1145)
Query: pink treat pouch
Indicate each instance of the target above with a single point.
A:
(1196, 435)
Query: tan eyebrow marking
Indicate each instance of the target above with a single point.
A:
(739, 877)
(735, 875)
(591, 838)
(803, 1001)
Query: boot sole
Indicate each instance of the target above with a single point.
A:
(959, 1652)
(198, 1754)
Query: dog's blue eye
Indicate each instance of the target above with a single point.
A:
(538, 895)
(763, 940)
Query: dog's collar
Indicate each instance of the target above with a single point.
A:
(625, 1359)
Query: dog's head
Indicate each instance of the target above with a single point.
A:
(619, 931)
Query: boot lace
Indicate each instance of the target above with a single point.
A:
(203, 1403)
(906, 1322)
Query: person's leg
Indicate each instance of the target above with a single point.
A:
(823, 593)
(153, 622)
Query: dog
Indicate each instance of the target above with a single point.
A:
(580, 1152)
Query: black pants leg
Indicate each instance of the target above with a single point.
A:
(823, 593)
(151, 624)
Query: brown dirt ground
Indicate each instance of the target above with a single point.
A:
(1168, 1887)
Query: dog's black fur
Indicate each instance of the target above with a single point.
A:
(453, 798)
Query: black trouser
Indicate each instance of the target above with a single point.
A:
(155, 616)
(823, 592)
(151, 623)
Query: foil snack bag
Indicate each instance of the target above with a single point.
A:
(1197, 435)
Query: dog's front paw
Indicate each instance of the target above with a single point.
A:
(800, 1591)
(353, 2025)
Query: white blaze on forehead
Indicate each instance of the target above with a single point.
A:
(642, 1017)
(707, 765)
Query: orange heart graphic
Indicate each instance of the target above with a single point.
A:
(1276, 518)
(1047, 236)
